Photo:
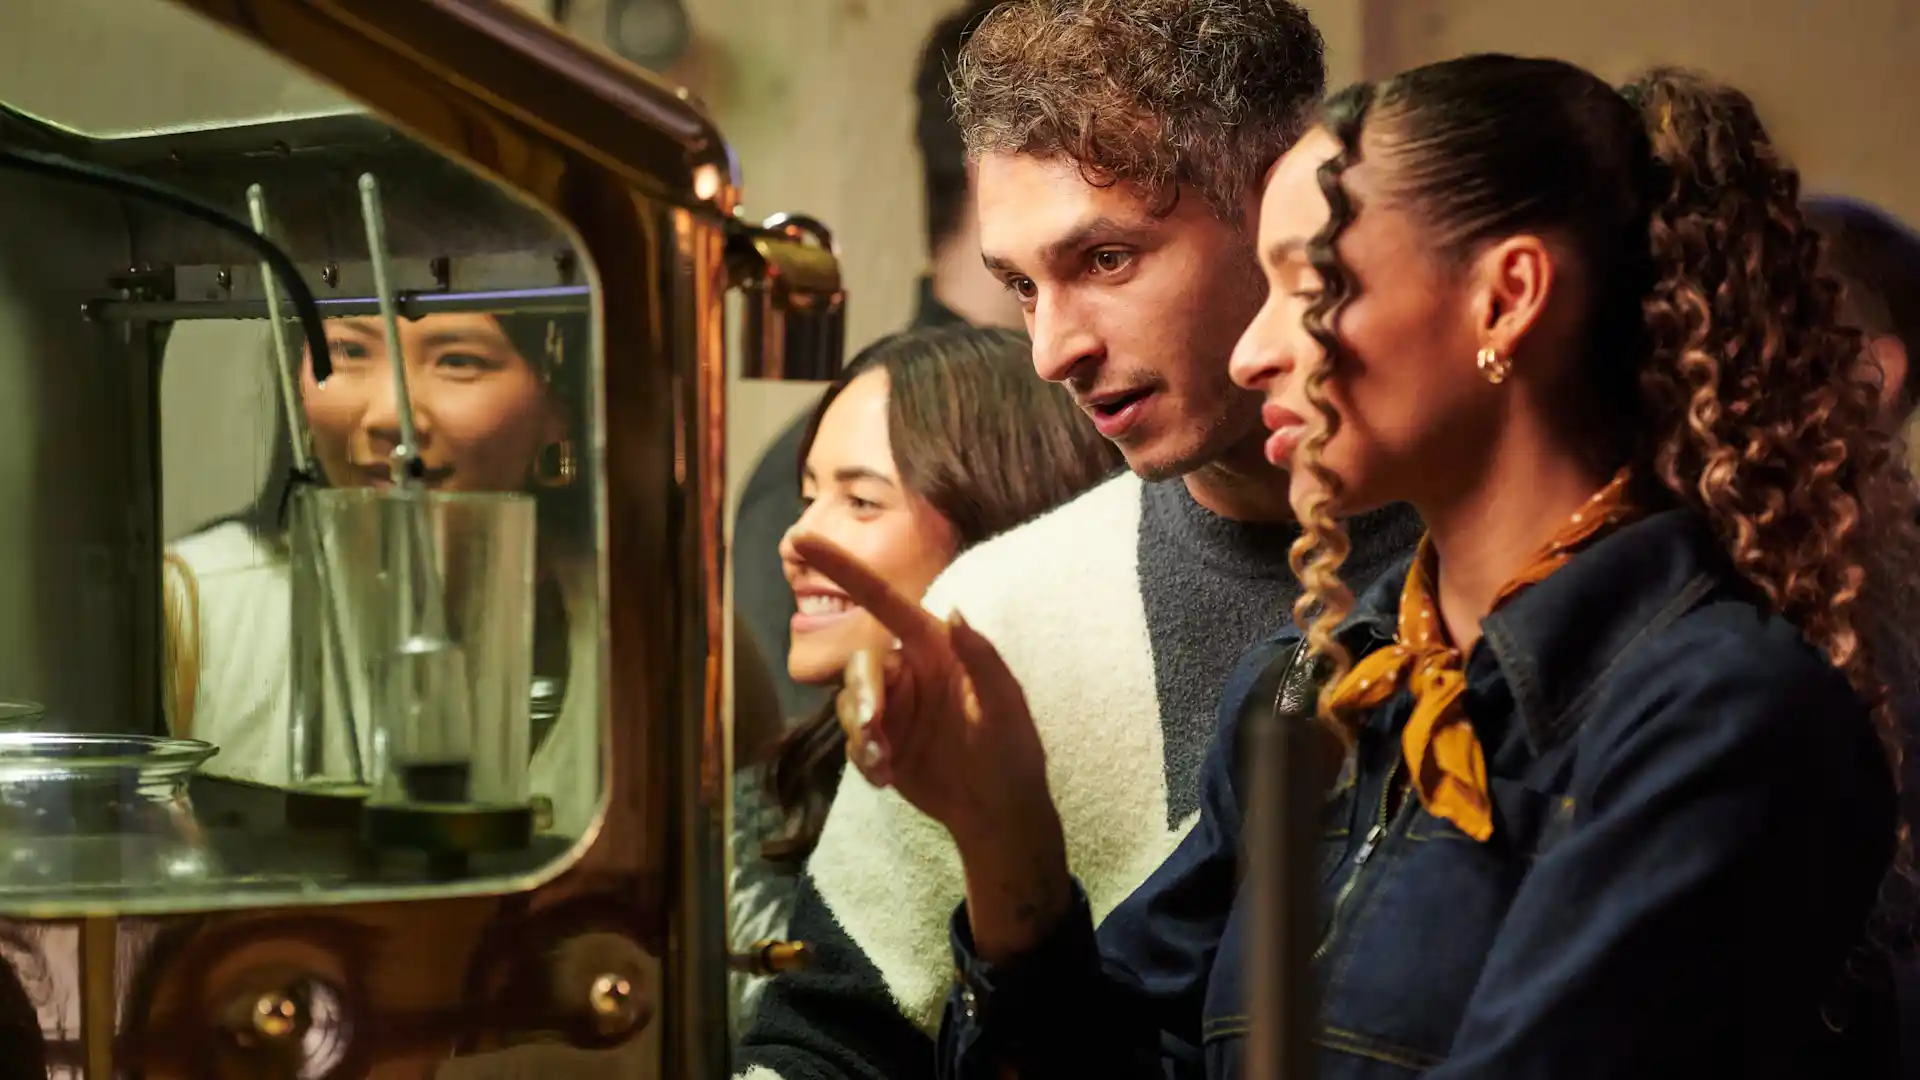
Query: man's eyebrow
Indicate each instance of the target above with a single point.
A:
(1096, 230)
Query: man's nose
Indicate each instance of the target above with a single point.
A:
(1065, 341)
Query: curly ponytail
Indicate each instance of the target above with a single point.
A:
(1762, 416)
(1758, 410)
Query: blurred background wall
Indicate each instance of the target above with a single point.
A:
(1831, 79)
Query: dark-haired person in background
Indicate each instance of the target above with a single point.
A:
(955, 290)
(1876, 256)
(928, 443)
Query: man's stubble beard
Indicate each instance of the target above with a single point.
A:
(1238, 421)
(1211, 442)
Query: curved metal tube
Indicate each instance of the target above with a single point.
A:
(42, 163)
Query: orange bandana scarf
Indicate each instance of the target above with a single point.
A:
(1445, 763)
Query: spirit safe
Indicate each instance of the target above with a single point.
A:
(363, 654)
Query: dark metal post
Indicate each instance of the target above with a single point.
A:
(1285, 790)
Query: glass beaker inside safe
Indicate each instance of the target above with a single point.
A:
(432, 595)
(99, 811)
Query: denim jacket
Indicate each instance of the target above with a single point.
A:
(1692, 820)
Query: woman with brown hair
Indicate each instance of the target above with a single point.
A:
(1617, 797)
(930, 442)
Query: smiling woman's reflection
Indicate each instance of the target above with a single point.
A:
(496, 406)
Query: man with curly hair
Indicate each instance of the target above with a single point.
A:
(1119, 151)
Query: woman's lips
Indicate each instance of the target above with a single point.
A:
(817, 611)
(1289, 431)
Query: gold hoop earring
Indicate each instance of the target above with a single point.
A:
(1493, 367)
(556, 466)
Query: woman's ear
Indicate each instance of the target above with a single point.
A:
(1515, 277)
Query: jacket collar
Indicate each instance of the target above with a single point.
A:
(1555, 641)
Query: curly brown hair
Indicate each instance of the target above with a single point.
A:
(1161, 94)
(1779, 445)
(1717, 365)
(1322, 546)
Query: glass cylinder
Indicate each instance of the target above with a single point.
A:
(413, 645)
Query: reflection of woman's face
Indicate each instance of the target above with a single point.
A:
(481, 411)
(854, 497)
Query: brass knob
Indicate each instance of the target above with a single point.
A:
(273, 1018)
(603, 987)
(616, 1007)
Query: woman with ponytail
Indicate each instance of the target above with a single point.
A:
(1619, 787)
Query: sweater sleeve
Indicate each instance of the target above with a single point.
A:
(872, 909)
(834, 1020)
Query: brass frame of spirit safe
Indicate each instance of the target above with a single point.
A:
(622, 953)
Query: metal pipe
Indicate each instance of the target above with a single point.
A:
(408, 453)
(99, 955)
(558, 299)
(139, 187)
(1286, 786)
(300, 436)
(284, 367)
(426, 686)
